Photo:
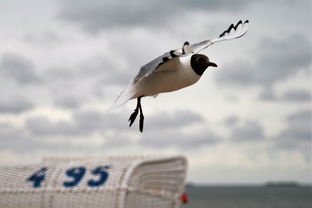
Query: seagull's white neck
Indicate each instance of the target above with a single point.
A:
(186, 60)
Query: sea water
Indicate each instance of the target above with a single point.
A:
(248, 197)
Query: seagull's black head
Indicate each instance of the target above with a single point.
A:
(200, 63)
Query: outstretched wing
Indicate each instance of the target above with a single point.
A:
(231, 33)
(150, 67)
(155, 64)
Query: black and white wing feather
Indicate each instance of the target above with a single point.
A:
(150, 67)
(155, 64)
(233, 32)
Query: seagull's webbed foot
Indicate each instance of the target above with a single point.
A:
(135, 113)
(133, 117)
(141, 118)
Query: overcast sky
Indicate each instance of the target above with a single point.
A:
(63, 62)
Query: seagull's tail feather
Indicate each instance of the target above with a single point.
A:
(126, 95)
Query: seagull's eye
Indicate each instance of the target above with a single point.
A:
(200, 59)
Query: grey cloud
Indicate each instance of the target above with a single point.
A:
(106, 14)
(182, 140)
(115, 78)
(231, 120)
(18, 68)
(41, 125)
(68, 101)
(93, 74)
(39, 133)
(278, 60)
(15, 105)
(238, 73)
(249, 131)
(17, 139)
(297, 135)
(268, 94)
(105, 70)
(173, 119)
(292, 95)
(11, 137)
(119, 121)
(288, 54)
(83, 123)
(98, 120)
(301, 116)
(102, 14)
(20, 141)
(88, 122)
(297, 95)
(298, 132)
(60, 73)
(118, 139)
(215, 5)
(70, 88)
(8, 131)
(49, 37)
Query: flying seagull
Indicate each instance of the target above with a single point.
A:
(173, 70)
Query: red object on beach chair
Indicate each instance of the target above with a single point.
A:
(184, 198)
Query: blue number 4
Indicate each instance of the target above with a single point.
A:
(101, 171)
(38, 177)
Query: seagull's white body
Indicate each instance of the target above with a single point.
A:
(170, 76)
(173, 70)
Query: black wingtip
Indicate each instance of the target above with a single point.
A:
(238, 23)
(233, 27)
(222, 34)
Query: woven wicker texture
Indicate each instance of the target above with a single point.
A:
(110, 182)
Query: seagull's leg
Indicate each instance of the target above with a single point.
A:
(141, 115)
(135, 113)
